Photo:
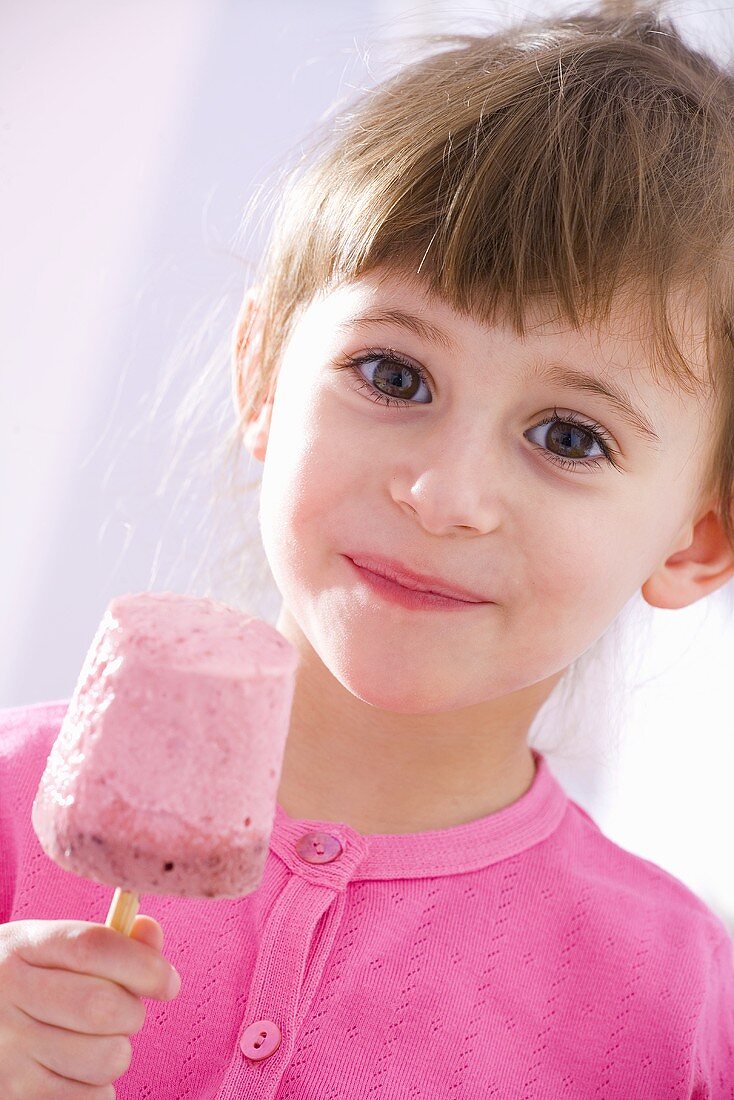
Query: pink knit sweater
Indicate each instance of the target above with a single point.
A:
(517, 957)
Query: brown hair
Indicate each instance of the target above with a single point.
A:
(575, 158)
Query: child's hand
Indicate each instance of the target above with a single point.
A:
(69, 996)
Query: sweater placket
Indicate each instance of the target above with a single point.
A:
(295, 946)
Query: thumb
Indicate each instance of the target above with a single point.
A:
(147, 930)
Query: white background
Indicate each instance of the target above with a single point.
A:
(132, 136)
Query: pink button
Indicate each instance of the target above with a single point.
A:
(260, 1040)
(319, 847)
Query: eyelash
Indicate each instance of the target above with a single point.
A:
(596, 431)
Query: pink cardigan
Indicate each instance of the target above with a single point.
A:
(522, 956)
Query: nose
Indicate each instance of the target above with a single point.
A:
(449, 488)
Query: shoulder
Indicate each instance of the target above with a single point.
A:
(21, 723)
(23, 728)
(26, 736)
(654, 939)
(640, 898)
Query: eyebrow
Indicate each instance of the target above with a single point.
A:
(557, 373)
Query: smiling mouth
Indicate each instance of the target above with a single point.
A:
(417, 599)
(413, 582)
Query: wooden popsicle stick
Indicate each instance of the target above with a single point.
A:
(123, 910)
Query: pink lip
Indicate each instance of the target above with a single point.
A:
(417, 582)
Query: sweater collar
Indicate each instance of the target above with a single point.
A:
(452, 851)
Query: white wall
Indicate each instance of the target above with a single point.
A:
(131, 138)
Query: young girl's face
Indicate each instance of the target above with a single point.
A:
(462, 481)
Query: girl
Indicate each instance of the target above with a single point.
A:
(489, 369)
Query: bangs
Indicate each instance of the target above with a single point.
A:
(561, 174)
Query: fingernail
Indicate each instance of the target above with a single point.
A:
(174, 983)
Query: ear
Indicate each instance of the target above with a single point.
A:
(245, 358)
(705, 564)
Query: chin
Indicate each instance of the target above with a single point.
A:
(402, 698)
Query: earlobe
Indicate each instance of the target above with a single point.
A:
(689, 574)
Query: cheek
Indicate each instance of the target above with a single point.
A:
(568, 556)
(581, 567)
(305, 475)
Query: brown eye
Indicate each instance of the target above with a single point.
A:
(570, 434)
(394, 380)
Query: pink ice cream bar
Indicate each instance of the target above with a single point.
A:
(164, 776)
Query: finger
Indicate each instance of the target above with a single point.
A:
(147, 930)
(102, 952)
(91, 1059)
(41, 1084)
(79, 1002)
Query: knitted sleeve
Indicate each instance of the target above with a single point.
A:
(715, 1035)
(26, 734)
(11, 722)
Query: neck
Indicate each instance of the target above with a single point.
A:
(385, 772)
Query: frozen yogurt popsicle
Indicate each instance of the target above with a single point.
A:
(164, 776)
